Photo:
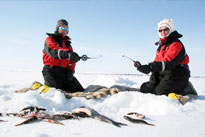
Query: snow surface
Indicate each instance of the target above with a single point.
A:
(170, 117)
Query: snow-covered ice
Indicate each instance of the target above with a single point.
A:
(171, 119)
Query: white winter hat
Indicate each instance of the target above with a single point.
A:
(169, 23)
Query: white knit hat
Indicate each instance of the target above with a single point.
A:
(169, 23)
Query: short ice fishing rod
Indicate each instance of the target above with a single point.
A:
(85, 57)
(136, 63)
(128, 58)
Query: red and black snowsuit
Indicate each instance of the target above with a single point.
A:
(174, 73)
(58, 70)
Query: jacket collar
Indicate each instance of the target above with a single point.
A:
(58, 36)
(173, 36)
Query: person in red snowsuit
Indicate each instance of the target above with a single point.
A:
(59, 60)
(170, 70)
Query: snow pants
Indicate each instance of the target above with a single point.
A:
(61, 78)
(168, 81)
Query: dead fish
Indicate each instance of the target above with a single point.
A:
(31, 119)
(32, 109)
(11, 114)
(3, 120)
(89, 112)
(137, 120)
(25, 111)
(64, 116)
(137, 115)
(82, 112)
(34, 113)
(42, 116)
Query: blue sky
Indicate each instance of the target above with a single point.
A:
(100, 27)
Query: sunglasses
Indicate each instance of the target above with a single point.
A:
(63, 28)
(163, 30)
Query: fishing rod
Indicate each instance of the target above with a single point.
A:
(128, 58)
(85, 57)
(136, 63)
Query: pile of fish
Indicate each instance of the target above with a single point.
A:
(34, 113)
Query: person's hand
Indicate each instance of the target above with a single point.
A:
(73, 56)
(151, 67)
(137, 64)
(144, 69)
(156, 66)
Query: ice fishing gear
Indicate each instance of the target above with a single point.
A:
(128, 58)
(44, 89)
(182, 99)
(173, 96)
(36, 85)
(136, 63)
(85, 57)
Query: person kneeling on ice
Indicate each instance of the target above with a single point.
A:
(170, 70)
(60, 60)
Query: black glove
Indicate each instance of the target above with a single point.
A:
(144, 69)
(73, 56)
(155, 66)
(137, 64)
(151, 67)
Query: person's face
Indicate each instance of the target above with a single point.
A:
(63, 29)
(164, 31)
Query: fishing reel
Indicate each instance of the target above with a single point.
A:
(84, 57)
